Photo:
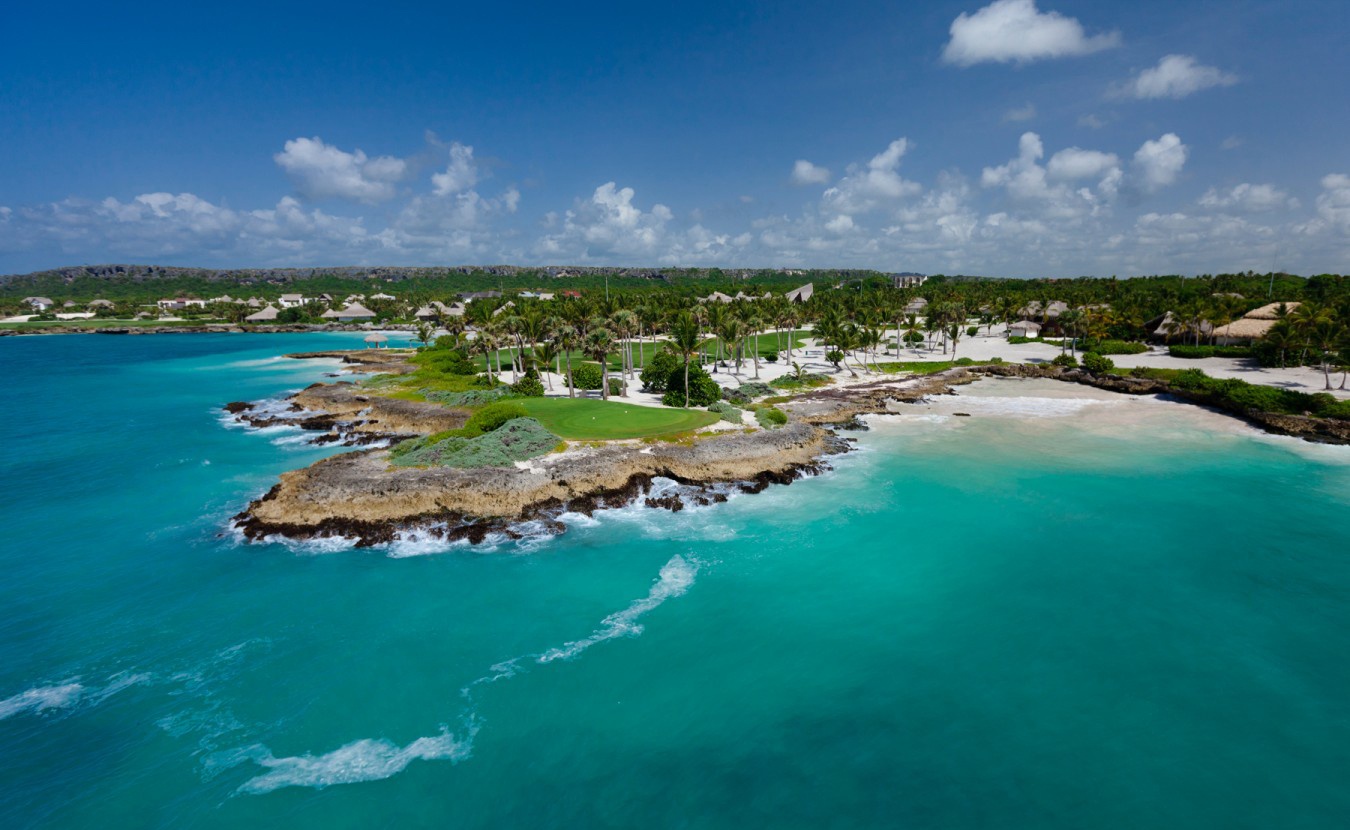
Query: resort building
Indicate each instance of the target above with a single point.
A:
(355, 311)
(436, 309)
(180, 303)
(716, 297)
(267, 315)
(291, 300)
(1253, 325)
(1025, 328)
(39, 304)
(918, 305)
(802, 294)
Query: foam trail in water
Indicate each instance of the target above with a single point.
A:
(372, 760)
(675, 578)
(40, 699)
(363, 760)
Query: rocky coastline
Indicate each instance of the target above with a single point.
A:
(360, 496)
(205, 328)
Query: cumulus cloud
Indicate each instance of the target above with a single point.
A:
(1025, 113)
(1076, 163)
(866, 188)
(804, 172)
(461, 174)
(322, 171)
(1157, 164)
(1248, 197)
(1176, 76)
(1015, 31)
(1232, 142)
(1050, 189)
(1333, 205)
(157, 225)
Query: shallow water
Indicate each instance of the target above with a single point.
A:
(1069, 609)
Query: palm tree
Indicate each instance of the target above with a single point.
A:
(599, 345)
(547, 352)
(625, 323)
(685, 338)
(567, 339)
(1327, 336)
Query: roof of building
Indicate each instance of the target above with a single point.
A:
(1268, 311)
(269, 312)
(801, 294)
(1248, 328)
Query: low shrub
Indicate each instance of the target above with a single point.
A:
(772, 357)
(726, 411)
(972, 331)
(491, 417)
(1096, 364)
(1066, 360)
(586, 376)
(658, 369)
(735, 396)
(1107, 347)
(1018, 340)
(529, 386)
(808, 380)
(997, 361)
(615, 386)
(963, 361)
(518, 439)
(703, 390)
(770, 417)
(834, 356)
(1198, 352)
(755, 389)
(471, 397)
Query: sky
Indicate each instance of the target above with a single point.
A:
(1005, 138)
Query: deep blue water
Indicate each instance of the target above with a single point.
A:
(1130, 614)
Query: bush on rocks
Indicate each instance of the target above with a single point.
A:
(755, 389)
(727, 412)
(1096, 364)
(1066, 360)
(518, 439)
(770, 417)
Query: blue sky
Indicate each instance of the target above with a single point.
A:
(1012, 138)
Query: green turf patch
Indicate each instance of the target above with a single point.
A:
(519, 439)
(578, 419)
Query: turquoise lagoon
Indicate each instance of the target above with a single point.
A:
(1064, 611)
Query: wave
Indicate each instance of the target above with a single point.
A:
(364, 760)
(67, 695)
(41, 699)
(370, 759)
(674, 579)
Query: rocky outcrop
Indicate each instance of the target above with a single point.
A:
(358, 495)
(346, 415)
(365, 361)
(841, 405)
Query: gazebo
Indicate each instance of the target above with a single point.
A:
(376, 341)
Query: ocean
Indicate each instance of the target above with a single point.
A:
(1066, 610)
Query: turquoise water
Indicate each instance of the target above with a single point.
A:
(1130, 614)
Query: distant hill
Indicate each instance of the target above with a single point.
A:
(141, 282)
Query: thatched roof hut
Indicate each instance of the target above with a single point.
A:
(1244, 330)
(376, 340)
(1024, 328)
(267, 315)
(802, 294)
(1269, 311)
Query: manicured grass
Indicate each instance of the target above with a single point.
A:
(917, 367)
(593, 420)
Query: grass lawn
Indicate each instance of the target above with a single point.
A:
(593, 420)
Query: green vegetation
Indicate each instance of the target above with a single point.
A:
(1109, 347)
(770, 417)
(1240, 396)
(516, 439)
(1068, 361)
(917, 367)
(703, 390)
(727, 412)
(586, 419)
(1096, 364)
(1198, 352)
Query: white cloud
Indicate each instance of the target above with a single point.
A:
(607, 226)
(1018, 114)
(1014, 31)
(842, 223)
(322, 171)
(1157, 164)
(879, 183)
(1333, 206)
(1232, 142)
(1176, 76)
(461, 174)
(1248, 197)
(804, 172)
(1076, 163)
(1092, 122)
